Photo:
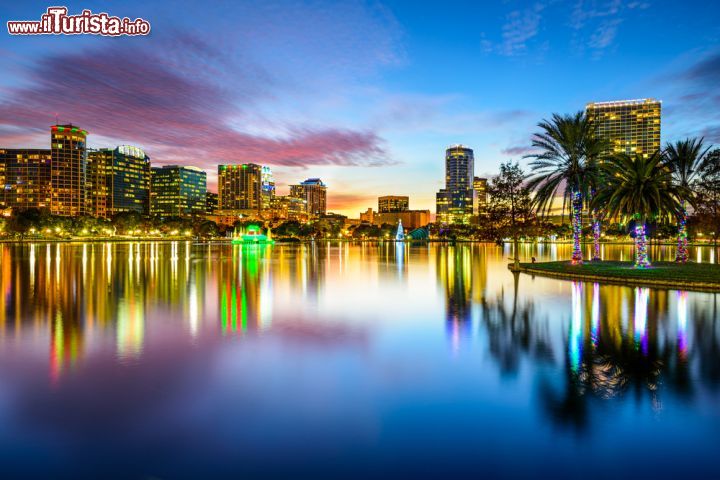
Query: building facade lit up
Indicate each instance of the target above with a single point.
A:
(393, 203)
(480, 195)
(68, 150)
(117, 181)
(25, 176)
(630, 126)
(177, 191)
(454, 203)
(314, 192)
(240, 187)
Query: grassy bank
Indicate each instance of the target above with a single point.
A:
(671, 275)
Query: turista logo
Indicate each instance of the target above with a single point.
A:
(56, 21)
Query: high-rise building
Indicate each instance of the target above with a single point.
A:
(285, 207)
(267, 186)
(314, 192)
(393, 203)
(25, 178)
(630, 126)
(480, 195)
(117, 181)
(98, 182)
(177, 191)
(455, 201)
(240, 187)
(211, 203)
(67, 170)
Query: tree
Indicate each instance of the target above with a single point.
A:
(685, 158)
(207, 228)
(289, 228)
(707, 207)
(638, 188)
(566, 162)
(509, 208)
(126, 221)
(22, 220)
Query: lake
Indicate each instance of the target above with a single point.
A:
(350, 360)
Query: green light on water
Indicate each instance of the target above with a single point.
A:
(223, 311)
(233, 306)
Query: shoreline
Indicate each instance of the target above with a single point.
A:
(310, 240)
(690, 276)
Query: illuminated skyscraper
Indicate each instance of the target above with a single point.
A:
(177, 191)
(480, 194)
(455, 201)
(288, 208)
(314, 192)
(98, 182)
(25, 178)
(211, 203)
(240, 187)
(118, 180)
(630, 126)
(393, 203)
(267, 186)
(67, 170)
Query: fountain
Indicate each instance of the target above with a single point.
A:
(400, 235)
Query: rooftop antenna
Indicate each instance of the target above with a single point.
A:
(56, 119)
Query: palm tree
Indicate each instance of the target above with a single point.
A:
(566, 162)
(686, 158)
(639, 188)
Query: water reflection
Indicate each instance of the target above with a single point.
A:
(349, 335)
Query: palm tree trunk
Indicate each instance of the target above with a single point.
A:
(641, 255)
(577, 227)
(681, 255)
(596, 239)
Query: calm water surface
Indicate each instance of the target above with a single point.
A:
(183, 360)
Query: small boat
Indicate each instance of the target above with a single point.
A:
(252, 235)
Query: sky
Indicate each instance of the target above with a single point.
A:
(364, 95)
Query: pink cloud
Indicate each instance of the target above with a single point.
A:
(171, 104)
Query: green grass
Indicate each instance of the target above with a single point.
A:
(666, 272)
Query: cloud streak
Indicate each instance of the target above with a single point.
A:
(169, 101)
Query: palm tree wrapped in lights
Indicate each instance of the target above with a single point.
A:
(566, 161)
(638, 188)
(686, 158)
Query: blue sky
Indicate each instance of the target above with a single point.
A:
(365, 95)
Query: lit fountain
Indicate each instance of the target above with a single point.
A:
(400, 235)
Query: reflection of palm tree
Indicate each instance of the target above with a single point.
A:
(706, 348)
(515, 333)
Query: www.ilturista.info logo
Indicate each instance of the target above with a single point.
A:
(57, 22)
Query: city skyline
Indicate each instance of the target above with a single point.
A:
(401, 85)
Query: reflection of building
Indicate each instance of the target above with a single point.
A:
(455, 201)
(67, 170)
(631, 126)
(177, 191)
(480, 195)
(118, 180)
(240, 280)
(314, 192)
(25, 178)
(392, 203)
(454, 272)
